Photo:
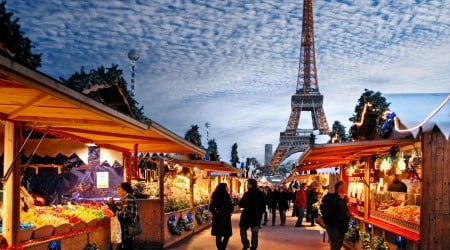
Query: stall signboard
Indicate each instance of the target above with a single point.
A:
(357, 181)
(102, 180)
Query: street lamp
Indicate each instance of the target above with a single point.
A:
(133, 55)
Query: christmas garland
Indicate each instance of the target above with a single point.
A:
(91, 246)
(207, 215)
(186, 222)
(183, 224)
(199, 217)
(174, 228)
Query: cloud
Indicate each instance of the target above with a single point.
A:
(234, 64)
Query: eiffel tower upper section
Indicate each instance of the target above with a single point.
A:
(306, 98)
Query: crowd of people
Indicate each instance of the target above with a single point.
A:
(261, 203)
(258, 204)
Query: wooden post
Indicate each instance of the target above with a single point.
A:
(135, 169)
(367, 168)
(11, 194)
(126, 165)
(161, 196)
(435, 205)
(191, 188)
(209, 187)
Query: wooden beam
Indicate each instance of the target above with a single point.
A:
(10, 84)
(155, 141)
(53, 121)
(34, 101)
(110, 134)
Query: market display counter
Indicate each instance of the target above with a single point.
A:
(164, 229)
(100, 235)
(407, 234)
(385, 229)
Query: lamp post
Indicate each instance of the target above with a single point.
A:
(133, 55)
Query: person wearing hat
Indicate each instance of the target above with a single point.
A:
(254, 204)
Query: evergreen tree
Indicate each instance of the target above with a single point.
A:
(212, 150)
(194, 136)
(372, 117)
(234, 155)
(337, 133)
(104, 77)
(13, 43)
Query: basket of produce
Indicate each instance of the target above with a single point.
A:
(63, 228)
(43, 231)
(103, 221)
(80, 225)
(92, 223)
(25, 234)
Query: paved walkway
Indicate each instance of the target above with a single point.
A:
(270, 237)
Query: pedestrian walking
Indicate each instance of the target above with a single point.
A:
(300, 204)
(283, 204)
(312, 202)
(273, 198)
(253, 204)
(295, 187)
(127, 212)
(336, 215)
(221, 207)
(265, 191)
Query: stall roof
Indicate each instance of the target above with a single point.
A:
(43, 103)
(210, 166)
(333, 155)
(421, 112)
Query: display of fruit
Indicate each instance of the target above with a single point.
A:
(40, 216)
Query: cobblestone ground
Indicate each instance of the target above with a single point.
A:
(270, 237)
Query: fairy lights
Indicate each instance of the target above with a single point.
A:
(366, 105)
(397, 122)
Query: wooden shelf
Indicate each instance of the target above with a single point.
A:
(407, 234)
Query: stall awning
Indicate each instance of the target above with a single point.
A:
(334, 155)
(209, 166)
(43, 103)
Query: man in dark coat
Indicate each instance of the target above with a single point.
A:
(312, 200)
(338, 216)
(273, 198)
(254, 204)
(283, 204)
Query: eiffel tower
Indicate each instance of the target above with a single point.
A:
(306, 98)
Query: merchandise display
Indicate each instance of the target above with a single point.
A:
(144, 189)
(396, 208)
(44, 221)
(55, 216)
(176, 192)
(385, 194)
(201, 192)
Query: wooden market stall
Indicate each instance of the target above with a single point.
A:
(417, 151)
(181, 208)
(31, 102)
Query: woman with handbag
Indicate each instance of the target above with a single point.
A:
(221, 207)
(126, 211)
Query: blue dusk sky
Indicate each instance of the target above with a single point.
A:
(234, 64)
